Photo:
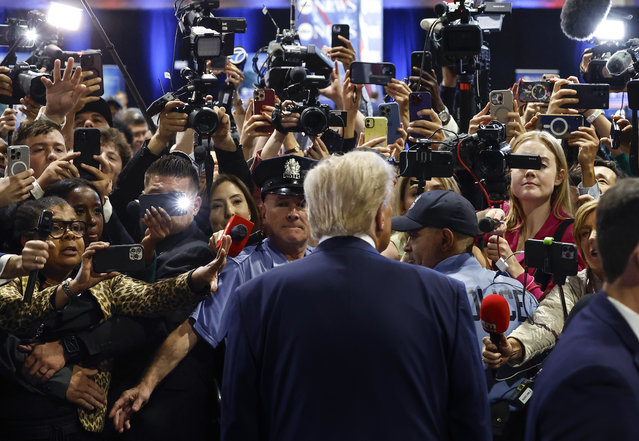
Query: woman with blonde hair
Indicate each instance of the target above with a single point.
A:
(539, 207)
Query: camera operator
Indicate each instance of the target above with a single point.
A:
(539, 207)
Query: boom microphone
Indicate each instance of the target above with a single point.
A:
(580, 18)
(494, 314)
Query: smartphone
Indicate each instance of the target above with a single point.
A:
(419, 101)
(239, 229)
(261, 98)
(121, 258)
(535, 91)
(18, 160)
(372, 73)
(558, 258)
(560, 126)
(421, 60)
(175, 204)
(390, 111)
(591, 96)
(501, 103)
(91, 61)
(87, 142)
(337, 30)
(375, 127)
(424, 162)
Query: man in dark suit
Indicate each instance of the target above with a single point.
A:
(346, 344)
(589, 386)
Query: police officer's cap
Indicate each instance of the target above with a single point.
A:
(283, 175)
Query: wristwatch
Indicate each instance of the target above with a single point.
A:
(67, 289)
(70, 346)
(444, 116)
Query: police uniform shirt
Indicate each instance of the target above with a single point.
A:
(250, 263)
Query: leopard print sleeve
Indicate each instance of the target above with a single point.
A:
(137, 298)
(16, 315)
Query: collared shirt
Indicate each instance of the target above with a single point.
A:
(365, 237)
(481, 282)
(250, 263)
(628, 314)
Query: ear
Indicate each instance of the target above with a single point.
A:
(448, 239)
(197, 203)
(261, 211)
(560, 177)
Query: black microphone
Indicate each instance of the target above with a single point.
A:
(580, 18)
(238, 233)
(45, 225)
(619, 63)
(488, 224)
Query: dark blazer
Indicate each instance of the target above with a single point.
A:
(589, 385)
(346, 344)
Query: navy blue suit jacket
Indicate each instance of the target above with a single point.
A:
(346, 344)
(589, 385)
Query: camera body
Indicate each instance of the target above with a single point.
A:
(25, 80)
(314, 119)
(561, 125)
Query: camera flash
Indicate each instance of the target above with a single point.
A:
(184, 203)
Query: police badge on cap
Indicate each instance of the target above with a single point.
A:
(283, 175)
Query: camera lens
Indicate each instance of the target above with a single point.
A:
(204, 121)
(558, 127)
(313, 121)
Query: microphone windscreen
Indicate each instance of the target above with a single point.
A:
(238, 232)
(618, 63)
(580, 18)
(487, 224)
(494, 314)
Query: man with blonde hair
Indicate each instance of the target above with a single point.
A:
(346, 344)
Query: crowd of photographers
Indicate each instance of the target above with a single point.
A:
(138, 355)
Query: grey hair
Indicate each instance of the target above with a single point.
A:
(343, 193)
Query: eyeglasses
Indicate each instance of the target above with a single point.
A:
(59, 228)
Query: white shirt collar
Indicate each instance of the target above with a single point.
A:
(632, 318)
(365, 237)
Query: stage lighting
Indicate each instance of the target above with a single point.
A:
(64, 16)
(611, 30)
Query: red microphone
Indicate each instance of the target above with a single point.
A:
(495, 316)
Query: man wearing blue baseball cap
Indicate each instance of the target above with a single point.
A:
(441, 227)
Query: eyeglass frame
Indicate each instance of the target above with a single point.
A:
(67, 224)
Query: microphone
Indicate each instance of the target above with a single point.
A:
(426, 24)
(488, 224)
(238, 228)
(580, 18)
(619, 63)
(494, 314)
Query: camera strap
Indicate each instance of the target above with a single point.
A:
(542, 278)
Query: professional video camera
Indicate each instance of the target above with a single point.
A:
(456, 36)
(25, 80)
(488, 158)
(297, 73)
(207, 38)
(613, 63)
(201, 116)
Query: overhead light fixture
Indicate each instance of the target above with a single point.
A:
(64, 16)
(611, 30)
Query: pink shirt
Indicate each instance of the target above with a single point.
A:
(547, 230)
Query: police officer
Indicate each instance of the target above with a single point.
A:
(286, 228)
